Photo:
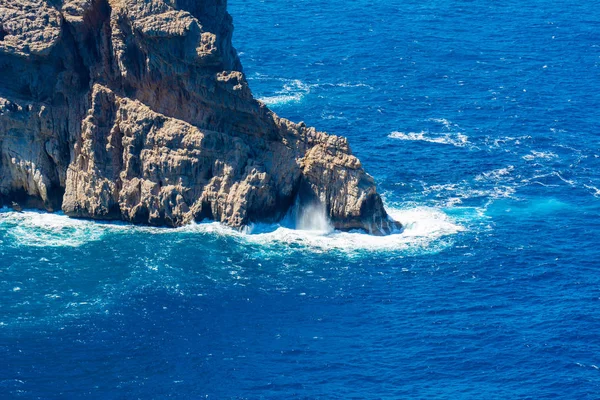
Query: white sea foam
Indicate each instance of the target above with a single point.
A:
(494, 184)
(539, 154)
(443, 121)
(503, 180)
(424, 227)
(496, 174)
(500, 142)
(354, 85)
(455, 139)
(594, 190)
(557, 174)
(41, 229)
(282, 99)
(458, 192)
(293, 91)
(345, 85)
(328, 116)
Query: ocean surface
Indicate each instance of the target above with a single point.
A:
(479, 120)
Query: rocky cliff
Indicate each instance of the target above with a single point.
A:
(138, 110)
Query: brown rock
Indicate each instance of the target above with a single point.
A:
(138, 110)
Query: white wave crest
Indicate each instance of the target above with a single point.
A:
(424, 228)
(455, 139)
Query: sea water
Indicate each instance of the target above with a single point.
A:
(480, 122)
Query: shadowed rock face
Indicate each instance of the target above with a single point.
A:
(138, 110)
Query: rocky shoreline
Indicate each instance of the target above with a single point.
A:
(138, 110)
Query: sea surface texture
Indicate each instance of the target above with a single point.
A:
(480, 122)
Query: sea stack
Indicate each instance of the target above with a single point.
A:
(138, 110)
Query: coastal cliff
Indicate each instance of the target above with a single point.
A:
(138, 110)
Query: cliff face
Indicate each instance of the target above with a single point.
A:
(138, 110)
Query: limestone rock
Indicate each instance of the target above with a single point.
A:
(139, 110)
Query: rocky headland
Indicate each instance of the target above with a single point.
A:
(139, 110)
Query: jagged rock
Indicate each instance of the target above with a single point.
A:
(16, 206)
(138, 110)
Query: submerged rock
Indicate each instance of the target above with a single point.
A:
(16, 206)
(138, 110)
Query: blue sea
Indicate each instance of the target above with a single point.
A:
(480, 122)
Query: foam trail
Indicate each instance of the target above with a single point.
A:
(447, 124)
(293, 92)
(539, 154)
(454, 139)
(496, 175)
(281, 99)
(594, 190)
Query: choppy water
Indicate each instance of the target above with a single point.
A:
(480, 122)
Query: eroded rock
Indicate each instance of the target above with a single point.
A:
(139, 110)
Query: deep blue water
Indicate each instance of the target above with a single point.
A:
(480, 122)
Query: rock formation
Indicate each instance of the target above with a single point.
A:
(138, 110)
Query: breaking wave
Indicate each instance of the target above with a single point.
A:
(40, 229)
(424, 229)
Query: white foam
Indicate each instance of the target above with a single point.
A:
(500, 142)
(496, 174)
(503, 180)
(282, 99)
(443, 121)
(32, 228)
(569, 182)
(456, 193)
(293, 92)
(354, 85)
(594, 190)
(424, 228)
(455, 139)
(539, 154)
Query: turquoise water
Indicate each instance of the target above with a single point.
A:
(479, 122)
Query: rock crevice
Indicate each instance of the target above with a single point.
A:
(139, 110)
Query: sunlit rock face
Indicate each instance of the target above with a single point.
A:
(138, 110)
